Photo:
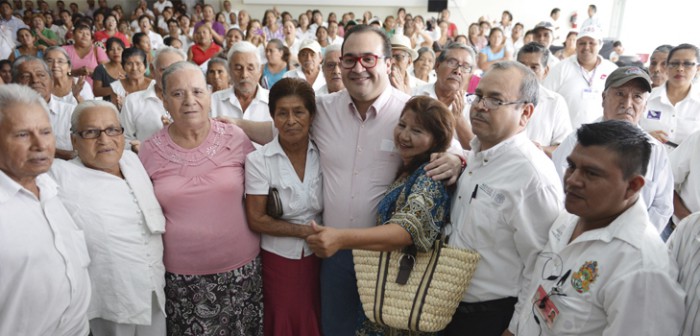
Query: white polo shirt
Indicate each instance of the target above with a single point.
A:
(60, 114)
(550, 123)
(657, 192)
(302, 201)
(44, 283)
(685, 164)
(621, 281)
(142, 114)
(677, 121)
(224, 103)
(581, 89)
(299, 73)
(506, 200)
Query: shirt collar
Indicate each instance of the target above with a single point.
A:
(274, 148)
(261, 94)
(9, 187)
(629, 226)
(497, 150)
(378, 104)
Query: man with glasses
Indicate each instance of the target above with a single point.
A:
(331, 70)
(454, 72)
(550, 123)
(111, 198)
(34, 72)
(604, 270)
(580, 79)
(506, 199)
(310, 60)
(402, 56)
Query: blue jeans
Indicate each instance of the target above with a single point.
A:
(339, 297)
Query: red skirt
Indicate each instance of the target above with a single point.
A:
(291, 295)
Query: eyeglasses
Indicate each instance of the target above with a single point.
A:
(490, 103)
(367, 61)
(676, 65)
(56, 61)
(454, 64)
(95, 133)
(330, 65)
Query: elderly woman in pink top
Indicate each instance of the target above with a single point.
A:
(213, 282)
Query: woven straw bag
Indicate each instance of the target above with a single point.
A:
(434, 285)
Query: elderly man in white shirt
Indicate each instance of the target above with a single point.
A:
(331, 70)
(44, 283)
(506, 200)
(580, 79)
(625, 98)
(123, 227)
(246, 99)
(684, 246)
(454, 69)
(143, 113)
(550, 123)
(35, 73)
(604, 270)
(403, 55)
(309, 58)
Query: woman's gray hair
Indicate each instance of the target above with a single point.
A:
(78, 111)
(11, 94)
(530, 87)
(332, 47)
(424, 50)
(244, 47)
(58, 48)
(168, 50)
(178, 66)
(28, 58)
(218, 60)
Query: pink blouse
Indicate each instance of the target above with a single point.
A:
(89, 61)
(201, 192)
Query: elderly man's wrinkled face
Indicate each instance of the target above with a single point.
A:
(245, 72)
(104, 151)
(309, 60)
(187, 98)
(657, 68)
(34, 75)
(331, 71)
(451, 73)
(626, 102)
(27, 142)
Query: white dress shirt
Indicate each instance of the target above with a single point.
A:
(302, 201)
(60, 114)
(123, 228)
(119, 89)
(85, 93)
(224, 103)
(685, 164)
(142, 114)
(299, 73)
(621, 280)
(677, 121)
(657, 192)
(581, 89)
(506, 200)
(44, 283)
(550, 122)
(684, 245)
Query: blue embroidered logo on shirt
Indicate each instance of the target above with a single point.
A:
(651, 114)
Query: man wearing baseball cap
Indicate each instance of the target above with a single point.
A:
(543, 33)
(625, 97)
(402, 56)
(310, 60)
(581, 79)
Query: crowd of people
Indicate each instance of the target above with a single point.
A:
(183, 171)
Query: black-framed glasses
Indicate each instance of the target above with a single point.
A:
(368, 61)
(94, 133)
(330, 65)
(454, 64)
(490, 103)
(676, 65)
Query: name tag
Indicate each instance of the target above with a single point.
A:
(654, 115)
(544, 307)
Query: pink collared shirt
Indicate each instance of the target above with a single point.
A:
(358, 157)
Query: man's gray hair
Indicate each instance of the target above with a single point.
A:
(167, 50)
(178, 66)
(11, 94)
(59, 49)
(332, 47)
(530, 87)
(244, 47)
(453, 46)
(88, 104)
(27, 58)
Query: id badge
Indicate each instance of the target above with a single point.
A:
(588, 94)
(544, 307)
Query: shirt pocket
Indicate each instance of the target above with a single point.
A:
(483, 220)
